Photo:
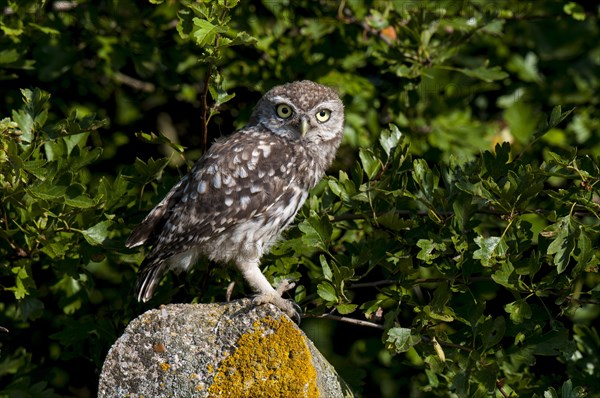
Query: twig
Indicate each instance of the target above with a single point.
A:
(446, 344)
(582, 300)
(64, 5)
(419, 281)
(500, 385)
(420, 213)
(207, 78)
(384, 282)
(60, 6)
(380, 327)
(345, 319)
(134, 83)
(205, 108)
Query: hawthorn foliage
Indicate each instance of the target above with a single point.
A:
(452, 250)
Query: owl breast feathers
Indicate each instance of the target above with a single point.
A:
(246, 189)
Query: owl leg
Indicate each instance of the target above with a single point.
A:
(266, 294)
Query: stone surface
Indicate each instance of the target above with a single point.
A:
(217, 350)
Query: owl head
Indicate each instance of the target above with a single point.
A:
(303, 111)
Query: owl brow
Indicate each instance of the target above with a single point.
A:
(279, 99)
(329, 105)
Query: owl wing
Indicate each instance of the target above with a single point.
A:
(145, 232)
(240, 177)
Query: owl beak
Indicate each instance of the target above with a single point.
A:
(304, 125)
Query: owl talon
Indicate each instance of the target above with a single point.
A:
(285, 285)
(289, 307)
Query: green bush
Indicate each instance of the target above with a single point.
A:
(452, 250)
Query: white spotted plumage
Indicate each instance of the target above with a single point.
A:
(238, 198)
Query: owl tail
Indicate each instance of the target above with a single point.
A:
(148, 277)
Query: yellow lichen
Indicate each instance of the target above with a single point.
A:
(270, 361)
(164, 366)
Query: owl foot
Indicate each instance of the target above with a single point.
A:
(289, 307)
(285, 285)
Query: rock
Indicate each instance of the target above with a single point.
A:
(231, 349)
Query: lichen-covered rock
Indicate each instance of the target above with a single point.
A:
(217, 350)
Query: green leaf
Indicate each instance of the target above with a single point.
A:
(430, 250)
(426, 179)
(490, 250)
(23, 282)
(493, 331)
(525, 67)
(33, 114)
(30, 308)
(76, 197)
(567, 390)
(86, 157)
(519, 311)
(25, 122)
(48, 190)
(231, 3)
(563, 245)
(486, 74)
(395, 221)
(444, 314)
(557, 116)
(81, 201)
(97, 234)
(55, 249)
(505, 276)
(371, 164)
(327, 274)
(326, 291)
(552, 343)
(39, 168)
(9, 56)
(243, 38)
(151, 170)
(205, 33)
(219, 95)
(345, 309)
(389, 139)
(584, 245)
(550, 393)
(401, 339)
(576, 11)
(522, 120)
(69, 286)
(158, 139)
(317, 231)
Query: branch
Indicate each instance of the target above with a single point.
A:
(419, 281)
(500, 386)
(205, 109)
(345, 319)
(380, 327)
(384, 282)
(446, 344)
(582, 300)
(407, 213)
(134, 83)
(60, 6)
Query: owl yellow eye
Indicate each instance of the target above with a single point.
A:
(323, 115)
(284, 111)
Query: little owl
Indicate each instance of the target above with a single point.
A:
(245, 190)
